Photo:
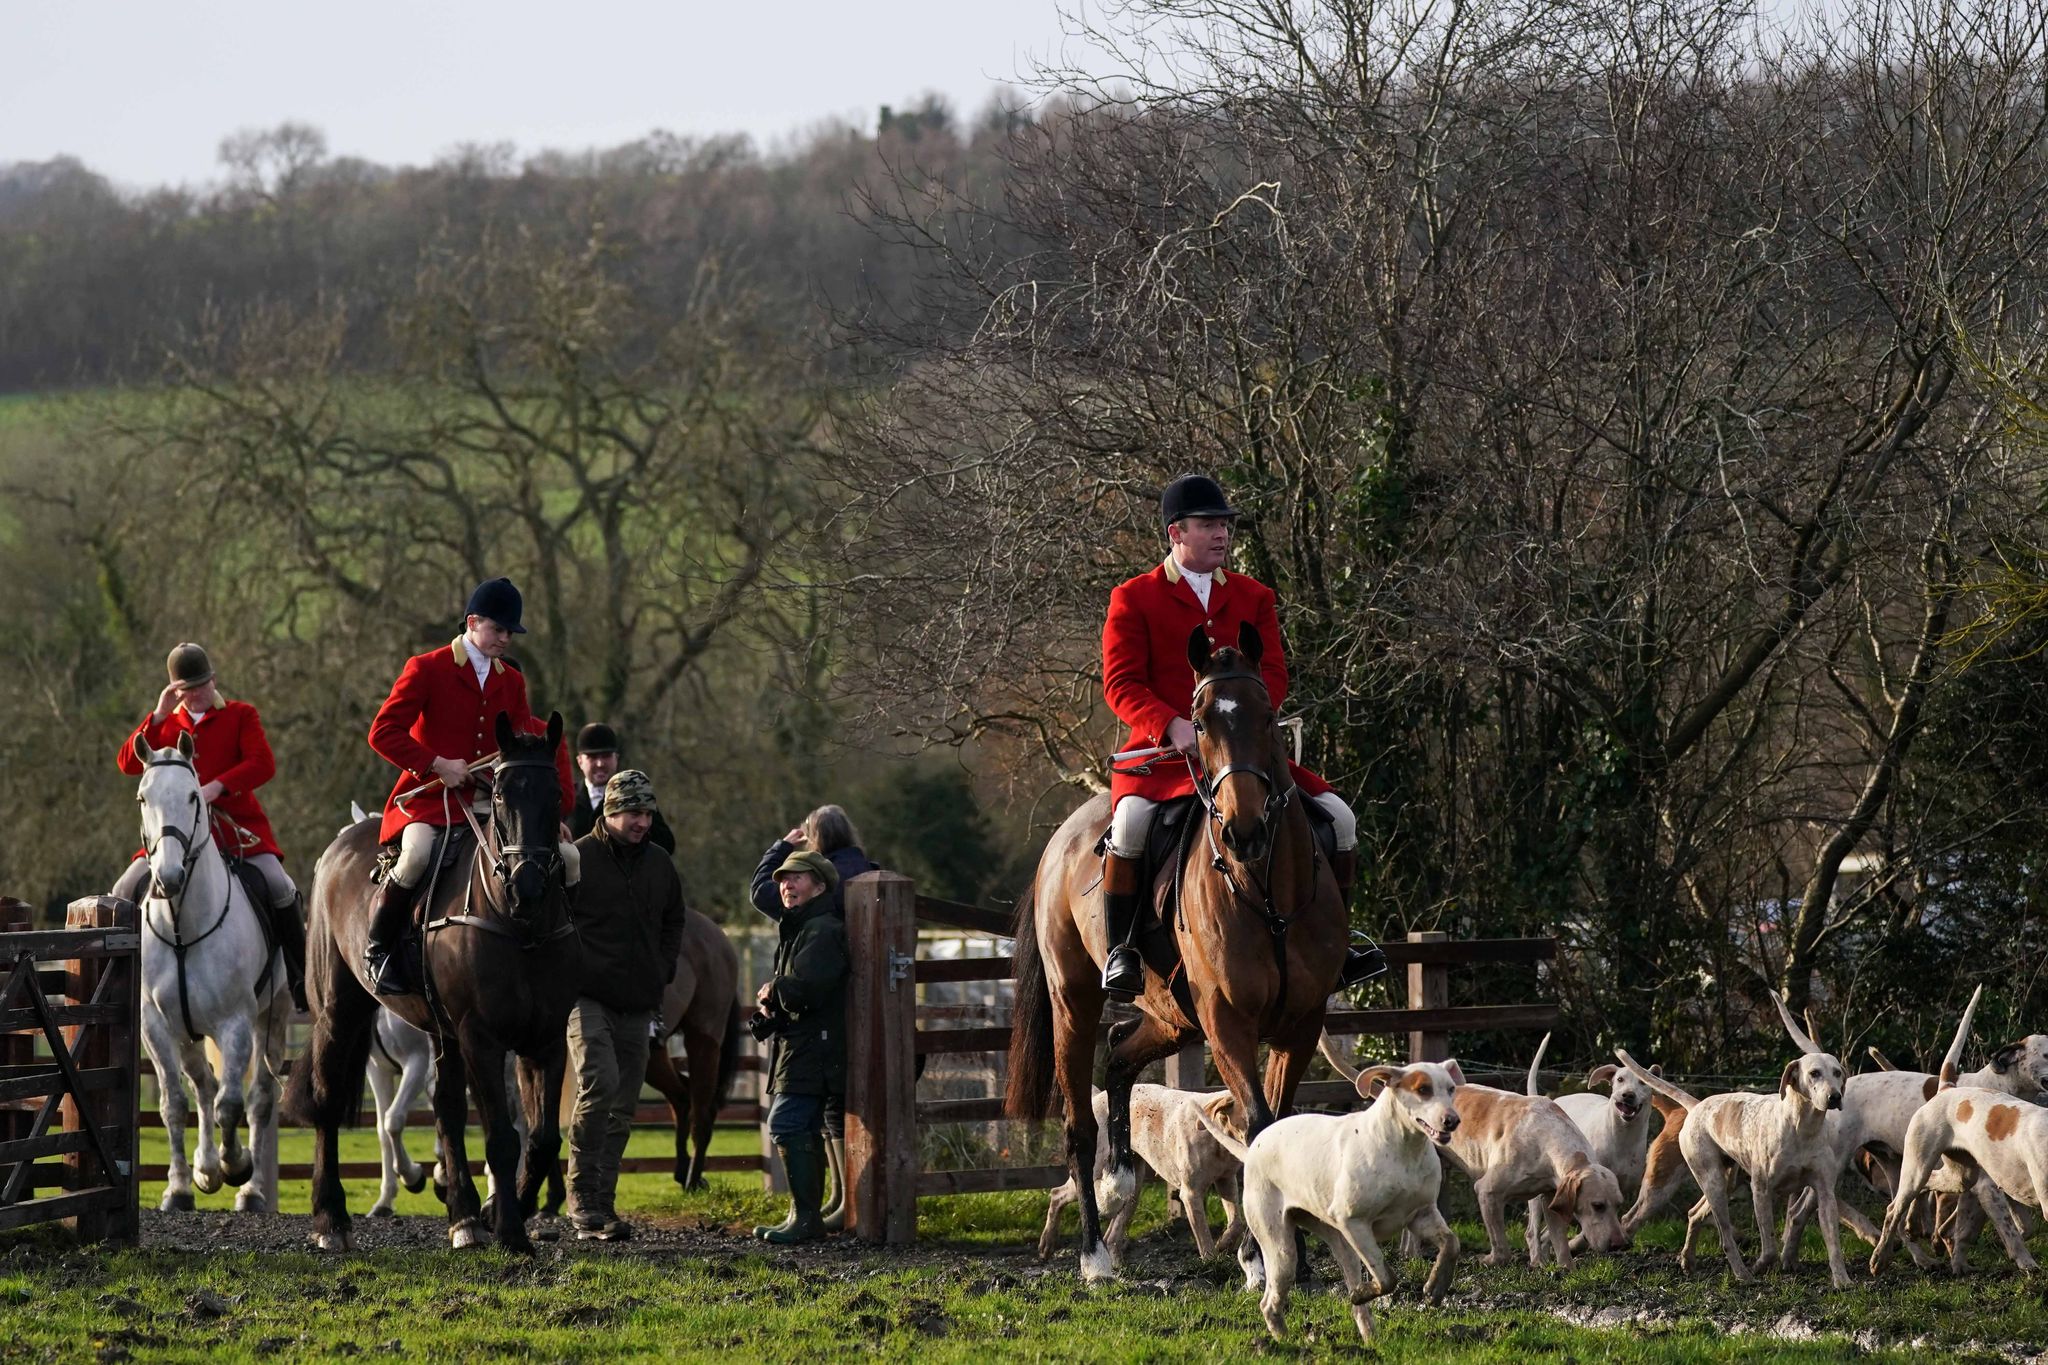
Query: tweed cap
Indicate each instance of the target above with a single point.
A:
(629, 789)
(807, 860)
(189, 667)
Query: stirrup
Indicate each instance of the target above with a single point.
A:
(1362, 964)
(1123, 973)
(387, 971)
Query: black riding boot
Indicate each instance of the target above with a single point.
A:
(1360, 964)
(1123, 974)
(288, 927)
(388, 924)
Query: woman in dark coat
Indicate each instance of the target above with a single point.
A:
(829, 831)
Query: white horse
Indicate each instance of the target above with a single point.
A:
(203, 950)
(401, 1069)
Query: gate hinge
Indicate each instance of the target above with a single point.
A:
(899, 967)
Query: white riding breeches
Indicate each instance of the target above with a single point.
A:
(1131, 822)
(416, 854)
(278, 887)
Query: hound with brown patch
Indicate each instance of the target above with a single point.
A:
(1354, 1180)
(1970, 1133)
(1779, 1140)
(1169, 1138)
(1525, 1147)
(1617, 1126)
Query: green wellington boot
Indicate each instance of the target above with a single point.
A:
(803, 1157)
(835, 1212)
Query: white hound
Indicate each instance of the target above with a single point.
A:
(1354, 1180)
(1170, 1139)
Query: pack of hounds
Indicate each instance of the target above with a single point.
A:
(1949, 1151)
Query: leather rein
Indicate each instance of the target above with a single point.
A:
(1279, 796)
(184, 838)
(500, 860)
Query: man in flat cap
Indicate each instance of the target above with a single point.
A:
(597, 758)
(440, 718)
(629, 914)
(232, 756)
(803, 1008)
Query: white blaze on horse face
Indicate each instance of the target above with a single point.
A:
(1225, 705)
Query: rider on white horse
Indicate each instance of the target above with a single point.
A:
(208, 973)
(233, 759)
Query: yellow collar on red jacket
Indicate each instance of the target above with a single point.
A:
(462, 656)
(1172, 574)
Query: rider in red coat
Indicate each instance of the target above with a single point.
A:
(440, 718)
(232, 757)
(1148, 682)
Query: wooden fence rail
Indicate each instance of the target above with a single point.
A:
(886, 1042)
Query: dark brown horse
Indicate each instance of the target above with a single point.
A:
(502, 962)
(1259, 939)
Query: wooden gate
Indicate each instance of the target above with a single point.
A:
(884, 1042)
(70, 1006)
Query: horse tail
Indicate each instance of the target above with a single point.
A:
(1031, 1051)
(728, 1058)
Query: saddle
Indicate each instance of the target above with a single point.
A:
(451, 846)
(1177, 822)
(259, 900)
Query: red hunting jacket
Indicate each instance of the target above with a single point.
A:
(1146, 677)
(228, 747)
(436, 710)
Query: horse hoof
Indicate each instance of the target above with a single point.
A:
(383, 1211)
(467, 1233)
(1096, 1266)
(249, 1201)
(333, 1241)
(440, 1192)
(238, 1176)
(206, 1181)
(417, 1181)
(178, 1201)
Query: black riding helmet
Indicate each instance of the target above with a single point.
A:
(1193, 495)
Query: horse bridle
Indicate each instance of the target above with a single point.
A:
(184, 838)
(548, 855)
(1278, 797)
(177, 942)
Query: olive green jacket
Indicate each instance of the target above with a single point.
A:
(809, 990)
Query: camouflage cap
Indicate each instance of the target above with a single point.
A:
(807, 860)
(629, 789)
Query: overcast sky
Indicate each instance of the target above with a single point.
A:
(144, 92)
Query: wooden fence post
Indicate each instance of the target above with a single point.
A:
(881, 1082)
(1188, 1069)
(16, 1049)
(113, 1043)
(1429, 988)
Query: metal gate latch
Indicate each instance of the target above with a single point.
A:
(899, 967)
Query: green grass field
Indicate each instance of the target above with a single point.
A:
(696, 1287)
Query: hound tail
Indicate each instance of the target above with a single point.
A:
(1534, 1085)
(1656, 1083)
(1335, 1058)
(1951, 1063)
(1210, 1111)
(1884, 1063)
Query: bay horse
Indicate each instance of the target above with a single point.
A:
(205, 951)
(502, 966)
(1252, 953)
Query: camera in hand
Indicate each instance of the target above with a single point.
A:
(764, 1025)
